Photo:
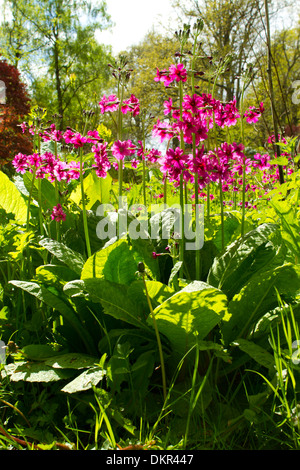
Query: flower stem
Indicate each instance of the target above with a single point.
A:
(120, 133)
(196, 183)
(57, 198)
(222, 213)
(84, 215)
(244, 163)
(40, 192)
(144, 183)
(162, 364)
(29, 200)
(181, 188)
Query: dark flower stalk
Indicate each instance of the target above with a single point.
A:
(84, 214)
(198, 28)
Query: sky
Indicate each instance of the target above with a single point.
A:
(133, 19)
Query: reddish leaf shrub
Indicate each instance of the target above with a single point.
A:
(13, 110)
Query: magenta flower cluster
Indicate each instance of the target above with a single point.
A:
(198, 115)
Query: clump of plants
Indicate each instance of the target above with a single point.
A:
(116, 338)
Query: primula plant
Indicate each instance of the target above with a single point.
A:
(133, 335)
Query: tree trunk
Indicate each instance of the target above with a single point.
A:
(269, 71)
(60, 108)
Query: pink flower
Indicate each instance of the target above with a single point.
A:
(100, 150)
(120, 149)
(73, 172)
(52, 134)
(68, 135)
(153, 155)
(48, 161)
(217, 165)
(110, 103)
(197, 165)
(78, 140)
(163, 130)
(60, 171)
(131, 105)
(238, 168)
(178, 73)
(23, 126)
(252, 115)
(271, 139)
(261, 161)
(168, 105)
(227, 115)
(193, 125)
(163, 76)
(58, 214)
(173, 163)
(192, 103)
(93, 136)
(102, 164)
(20, 163)
(34, 160)
(134, 163)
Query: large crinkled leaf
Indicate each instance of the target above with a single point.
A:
(117, 263)
(52, 274)
(33, 372)
(39, 352)
(97, 189)
(190, 314)
(11, 199)
(259, 296)
(85, 381)
(113, 298)
(290, 223)
(56, 300)
(71, 361)
(63, 253)
(114, 263)
(245, 257)
(256, 352)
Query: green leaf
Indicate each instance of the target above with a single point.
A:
(48, 194)
(118, 262)
(114, 263)
(258, 297)
(54, 299)
(113, 297)
(11, 199)
(157, 292)
(244, 258)
(290, 223)
(51, 274)
(175, 270)
(279, 161)
(190, 314)
(34, 372)
(63, 253)
(231, 226)
(97, 189)
(85, 381)
(71, 361)
(256, 352)
(39, 352)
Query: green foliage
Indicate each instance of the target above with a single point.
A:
(11, 200)
(119, 345)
